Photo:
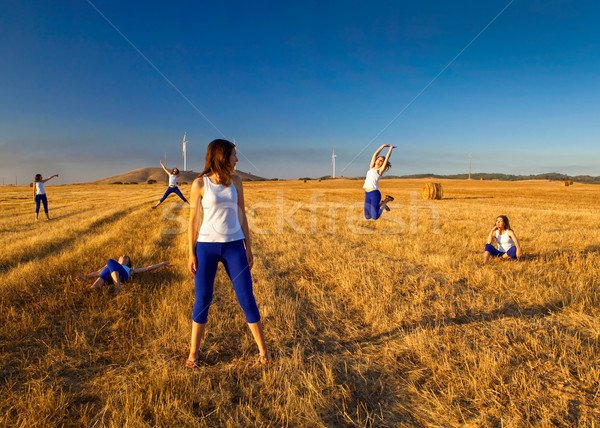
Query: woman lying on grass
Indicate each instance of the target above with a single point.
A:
(117, 272)
(508, 244)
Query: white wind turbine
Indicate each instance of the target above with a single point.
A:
(333, 156)
(184, 141)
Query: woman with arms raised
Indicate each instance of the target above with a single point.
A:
(223, 237)
(374, 206)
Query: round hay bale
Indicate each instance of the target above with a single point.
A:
(565, 183)
(570, 182)
(481, 179)
(432, 191)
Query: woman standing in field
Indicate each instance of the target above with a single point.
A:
(374, 206)
(117, 272)
(39, 194)
(172, 185)
(508, 244)
(223, 237)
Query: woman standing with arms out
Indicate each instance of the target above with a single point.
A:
(39, 194)
(508, 244)
(223, 237)
(172, 185)
(374, 206)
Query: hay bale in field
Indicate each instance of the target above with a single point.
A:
(570, 182)
(481, 179)
(432, 191)
(565, 183)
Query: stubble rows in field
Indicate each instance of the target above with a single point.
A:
(384, 323)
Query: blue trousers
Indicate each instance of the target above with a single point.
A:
(113, 266)
(233, 257)
(41, 198)
(512, 251)
(372, 200)
(171, 190)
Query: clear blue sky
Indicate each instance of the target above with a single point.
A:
(290, 81)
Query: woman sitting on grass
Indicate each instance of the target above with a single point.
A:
(374, 206)
(508, 244)
(172, 186)
(117, 272)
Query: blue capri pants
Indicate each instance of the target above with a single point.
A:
(171, 190)
(512, 251)
(233, 256)
(43, 199)
(113, 266)
(372, 209)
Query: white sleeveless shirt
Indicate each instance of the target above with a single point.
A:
(39, 188)
(372, 179)
(504, 241)
(172, 180)
(221, 222)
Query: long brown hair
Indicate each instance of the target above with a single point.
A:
(218, 154)
(506, 222)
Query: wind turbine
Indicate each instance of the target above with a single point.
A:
(184, 141)
(333, 156)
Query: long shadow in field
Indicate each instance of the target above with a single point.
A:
(468, 197)
(507, 311)
(45, 249)
(592, 249)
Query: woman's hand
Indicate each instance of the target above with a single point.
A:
(79, 278)
(168, 265)
(250, 257)
(519, 252)
(192, 265)
(495, 228)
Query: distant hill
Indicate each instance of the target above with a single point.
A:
(142, 175)
(552, 176)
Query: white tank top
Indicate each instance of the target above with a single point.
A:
(172, 180)
(39, 188)
(504, 241)
(221, 222)
(372, 179)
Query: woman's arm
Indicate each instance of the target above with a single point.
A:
(90, 275)
(163, 167)
(491, 235)
(194, 225)
(385, 162)
(512, 235)
(374, 158)
(49, 178)
(149, 268)
(237, 182)
(34, 190)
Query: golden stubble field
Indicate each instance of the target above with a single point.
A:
(387, 323)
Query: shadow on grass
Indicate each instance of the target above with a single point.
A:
(507, 311)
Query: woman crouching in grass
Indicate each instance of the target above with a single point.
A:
(223, 237)
(117, 272)
(508, 244)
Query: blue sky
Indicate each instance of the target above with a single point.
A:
(291, 81)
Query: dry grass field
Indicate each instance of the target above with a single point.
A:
(386, 323)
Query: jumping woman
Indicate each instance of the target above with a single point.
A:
(223, 237)
(172, 185)
(39, 194)
(117, 272)
(508, 244)
(374, 206)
